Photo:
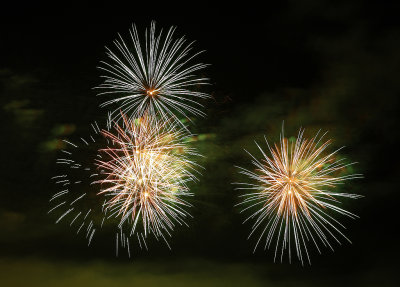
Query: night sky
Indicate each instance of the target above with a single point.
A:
(312, 64)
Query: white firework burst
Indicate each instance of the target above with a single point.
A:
(155, 77)
(294, 197)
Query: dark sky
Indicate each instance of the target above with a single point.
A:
(313, 64)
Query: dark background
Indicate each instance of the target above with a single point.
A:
(327, 65)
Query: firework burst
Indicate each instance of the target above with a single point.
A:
(135, 176)
(146, 173)
(294, 195)
(155, 77)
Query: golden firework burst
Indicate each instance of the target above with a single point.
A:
(295, 194)
(146, 172)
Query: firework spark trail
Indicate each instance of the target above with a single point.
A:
(293, 195)
(146, 174)
(74, 192)
(156, 77)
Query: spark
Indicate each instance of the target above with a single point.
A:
(293, 194)
(77, 197)
(155, 76)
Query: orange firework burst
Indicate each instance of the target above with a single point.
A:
(294, 194)
(146, 174)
